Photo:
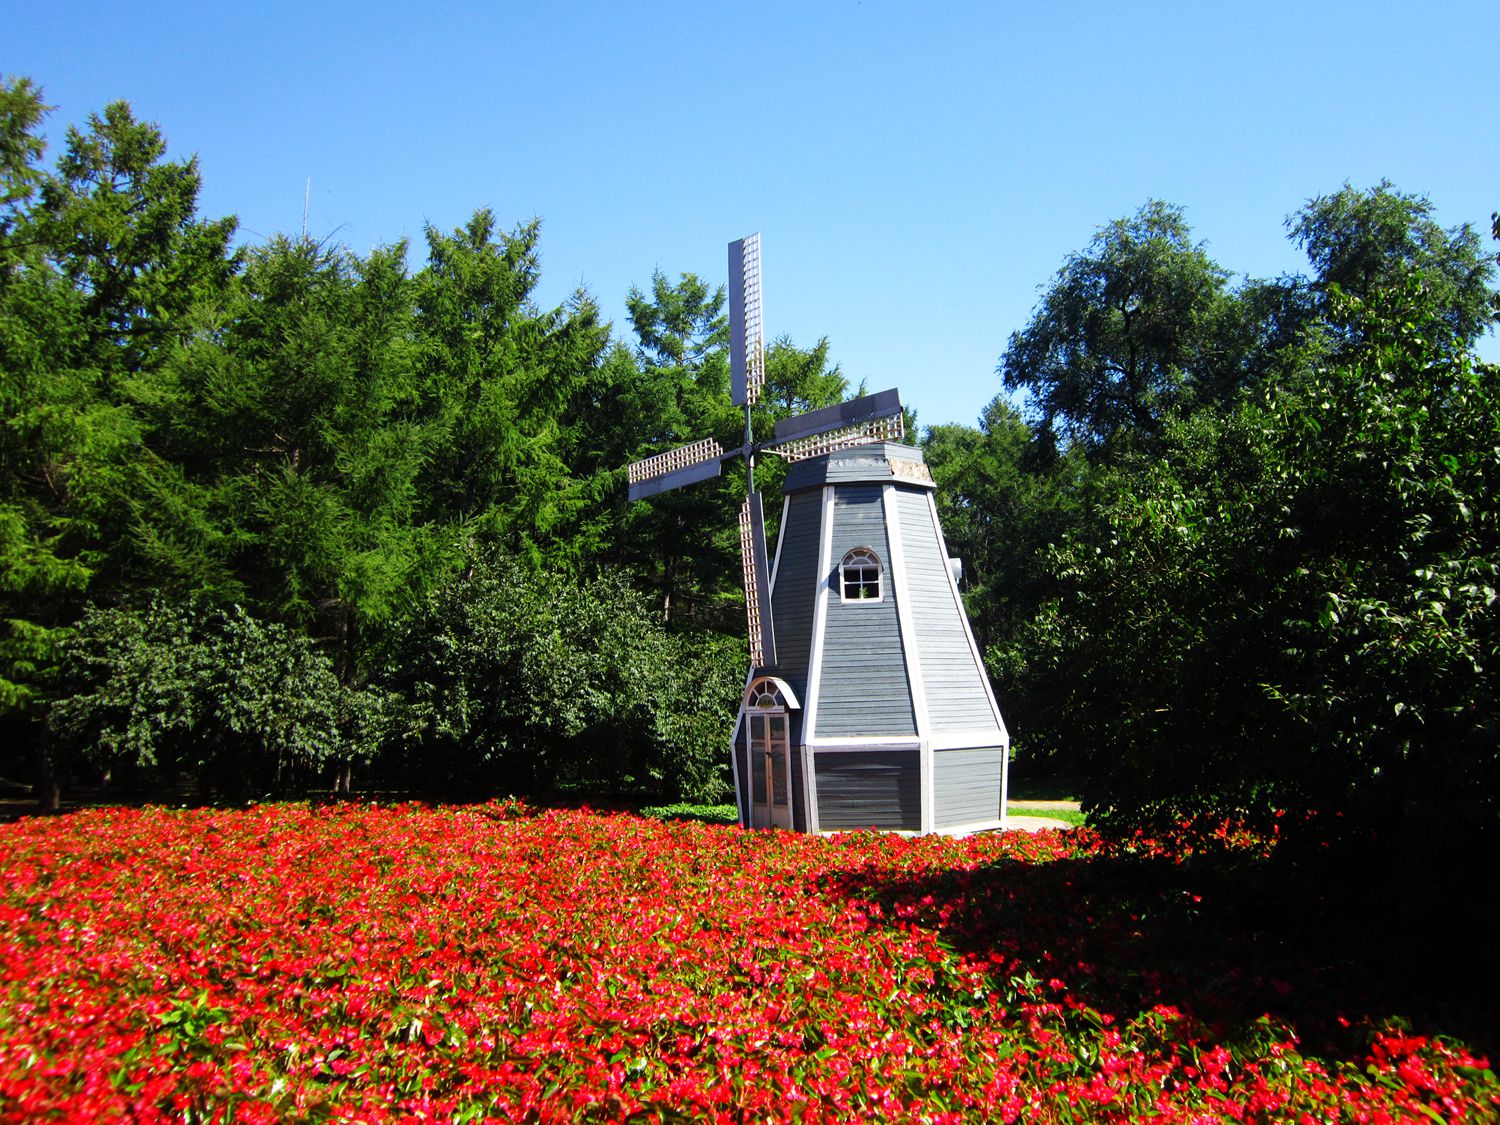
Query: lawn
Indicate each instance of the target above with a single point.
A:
(359, 962)
(1067, 816)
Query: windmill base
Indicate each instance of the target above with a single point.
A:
(916, 789)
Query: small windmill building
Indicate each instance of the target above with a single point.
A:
(866, 703)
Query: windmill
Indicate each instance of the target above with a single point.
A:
(870, 418)
(866, 703)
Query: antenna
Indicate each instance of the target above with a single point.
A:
(870, 418)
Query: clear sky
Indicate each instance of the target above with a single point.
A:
(917, 171)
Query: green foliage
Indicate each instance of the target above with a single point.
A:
(520, 682)
(120, 220)
(100, 264)
(1273, 585)
(1067, 816)
(1296, 606)
(1365, 241)
(498, 377)
(242, 705)
(703, 814)
(1393, 461)
(683, 543)
(21, 149)
(287, 422)
(1125, 334)
(1001, 500)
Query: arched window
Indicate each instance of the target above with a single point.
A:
(859, 576)
(764, 696)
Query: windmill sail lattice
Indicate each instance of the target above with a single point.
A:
(757, 582)
(687, 464)
(870, 418)
(879, 429)
(747, 339)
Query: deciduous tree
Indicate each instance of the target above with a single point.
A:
(1129, 329)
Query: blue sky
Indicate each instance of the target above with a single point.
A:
(917, 172)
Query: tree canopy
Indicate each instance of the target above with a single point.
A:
(1280, 594)
(1128, 329)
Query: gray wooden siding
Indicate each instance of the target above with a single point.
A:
(796, 585)
(863, 687)
(956, 698)
(869, 789)
(966, 785)
(798, 792)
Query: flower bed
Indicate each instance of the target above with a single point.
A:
(361, 962)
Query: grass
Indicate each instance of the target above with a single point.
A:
(704, 814)
(725, 814)
(1070, 816)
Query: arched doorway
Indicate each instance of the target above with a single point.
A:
(768, 745)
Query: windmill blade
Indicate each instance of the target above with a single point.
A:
(757, 582)
(687, 464)
(881, 429)
(747, 342)
(861, 421)
(842, 416)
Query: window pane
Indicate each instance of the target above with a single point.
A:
(778, 779)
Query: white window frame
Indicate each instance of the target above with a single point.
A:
(869, 560)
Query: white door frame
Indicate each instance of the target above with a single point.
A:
(768, 748)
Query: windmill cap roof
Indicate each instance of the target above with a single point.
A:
(879, 461)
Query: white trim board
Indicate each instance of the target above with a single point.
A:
(854, 745)
(988, 738)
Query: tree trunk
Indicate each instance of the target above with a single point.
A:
(669, 577)
(48, 787)
(344, 667)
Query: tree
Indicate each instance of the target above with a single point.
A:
(1001, 502)
(37, 572)
(120, 220)
(522, 682)
(1129, 329)
(21, 150)
(1296, 607)
(1364, 241)
(100, 265)
(285, 423)
(497, 377)
(348, 429)
(799, 379)
(241, 705)
(681, 542)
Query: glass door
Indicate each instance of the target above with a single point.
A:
(769, 767)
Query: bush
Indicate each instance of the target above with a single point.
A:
(519, 682)
(1297, 605)
(242, 705)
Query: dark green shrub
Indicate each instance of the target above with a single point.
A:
(522, 682)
